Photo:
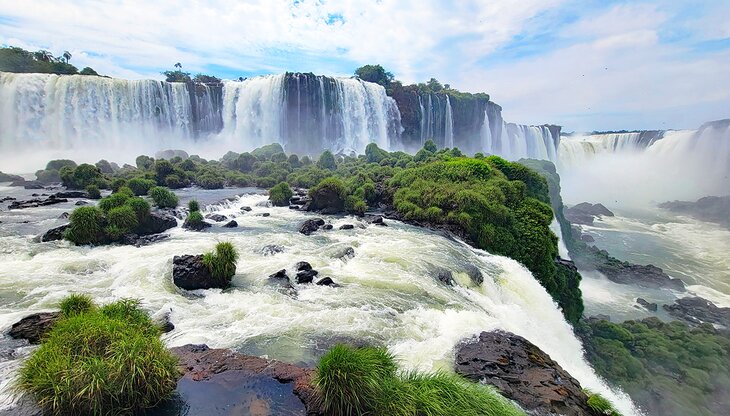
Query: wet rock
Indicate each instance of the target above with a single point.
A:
(445, 277)
(647, 305)
(198, 226)
(302, 266)
(189, 273)
(158, 222)
(377, 220)
(264, 214)
(327, 227)
(71, 194)
(7, 198)
(29, 184)
(216, 217)
(294, 207)
(165, 324)
(231, 224)
(281, 279)
(271, 249)
(474, 274)
(245, 209)
(600, 317)
(63, 216)
(34, 327)
(36, 202)
(145, 240)
(54, 234)
(200, 364)
(587, 238)
(8, 177)
(311, 225)
(346, 227)
(521, 372)
(306, 276)
(327, 281)
(696, 310)
(585, 213)
(710, 208)
(80, 203)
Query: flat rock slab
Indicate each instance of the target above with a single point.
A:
(224, 382)
(521, 372)
(34, 327)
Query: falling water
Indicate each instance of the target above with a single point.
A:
(449, 124)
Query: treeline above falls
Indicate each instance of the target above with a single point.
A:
(306, 113)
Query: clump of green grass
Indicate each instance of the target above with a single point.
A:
(280, 194)
(600, 404)
(222, 262)
(365, 381)
(163, 197)
(86, 226)
(75, 304)
(93, 191)
(101, 361)
(194, 221)
(193, 206)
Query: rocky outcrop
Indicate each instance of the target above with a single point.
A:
(649, 306)
(231, 224)
(158, 222)
(36, 202)
(216, 217)
(34, 327)
(145, 240)
(71, 194)
(311, 225)
(696, 310)
(710, 208)
(54, 234)
(262, 387)
(7, 177)
(305, 273)
(585, 213)
(189, 273)
(281, 279)
(271, 249)
(521, 372)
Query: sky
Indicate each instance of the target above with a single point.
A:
(583, 64)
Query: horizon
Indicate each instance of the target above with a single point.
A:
(587, 66)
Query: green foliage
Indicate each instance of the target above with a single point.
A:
(206, 79)
(86, 226)
(114, 200)
(118, 183)
(687, 367)
(430, 146)
(80, 177)
(93, 191)
(327, 161)
(280, 194)
(329, 193)
(360, 381)
(163, 197)
(14, 59)
(279, 157)
(75, 304)
(194, 220)
(57, 164)
(101, 361)
(264, 153)
(374, 73)
(177, 76)
(210, 180)
(600, 405)
(193, 206)
(222, 262)
(140, 186)
(120, 221)
(144, 162)
(88, 71)
(140, 207)
(374, 154)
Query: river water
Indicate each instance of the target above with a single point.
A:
(389, 294)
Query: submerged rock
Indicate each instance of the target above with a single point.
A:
(521, 372)
(445, 277)
(346, 227)
(271, 249)
(474, 274)
(231, 224)
(306, 276)
(216, 217)
(281, 279)
(37, 202)
(71, 194)
(327, 227)
(311, 225)
(245, 209)
(189, 273)
(327, 281)
(647, 305)
(345, 254)
(34, 327)
(696, 310)
(145, 240)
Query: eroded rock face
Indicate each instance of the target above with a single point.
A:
(585, 213)
(521, 372)
(189, 273)
(54, 234)
(159, 222)
(201, 364)
(34, 327)
(696, 310)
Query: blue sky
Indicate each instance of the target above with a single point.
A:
(583, 64)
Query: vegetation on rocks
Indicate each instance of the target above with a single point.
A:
(15, 59)
(360, 381)
(163, 198)
(280, 194)
(100, 360)
(222, 262)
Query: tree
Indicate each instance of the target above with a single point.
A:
(434, 85)
(178, 65)
(88, 71)
(66, 55)
(327, 161)
(374, 73)
(177, 76)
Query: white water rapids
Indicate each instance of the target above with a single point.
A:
(389, 293)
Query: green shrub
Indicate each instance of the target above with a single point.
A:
(194, 220)
(360, 381)
(93, 192)
(278, 157)
(140, 186)
(327, 161)
(600, 405)
(193, 206)
(355, 205)
(163, 198)
(140, 207)
(222, 263)
(114, 200)
(210, 180)
(280, 194)
(86, 226)
(100, 363)
(79, 177)
(75, 304)
(174, 182)
(329, 193)
(121, 220)
(117, 183)
(266, 152)
(57, 164)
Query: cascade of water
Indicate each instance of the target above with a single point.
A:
(423, 120)
(486, 135)
(449, 125)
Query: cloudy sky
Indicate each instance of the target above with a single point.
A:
(584, 64)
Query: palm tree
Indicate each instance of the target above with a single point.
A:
(178, 65)
(66, 55)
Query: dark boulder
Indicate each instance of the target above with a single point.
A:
(189, 273)
(311, 225)
(445, 276)
(36, 202)
(281, 279)
(54, 234)
(377, 220)
(158, 222)
(647, 305)
(302, 265)
(271, 249)
(81, 203)
(63, 216)
(327, 281)
(145, 240)
(475, 274)
(264, 214)
(216, 217)
(231, 224)
(34, 327)
(165, 324)
(521, 372)
(696, 310)
(346, 227)
(245, 209)
(306, 276)
(327, 227)
(197, 226)
(585, 213)
(71, 194)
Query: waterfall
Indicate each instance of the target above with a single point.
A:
(449, 125)
(486, 135)
(423, 120)
(518, 141)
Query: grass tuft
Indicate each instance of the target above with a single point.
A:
(222, 262)
(600, 404)
(75, 304)
(193, 206)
